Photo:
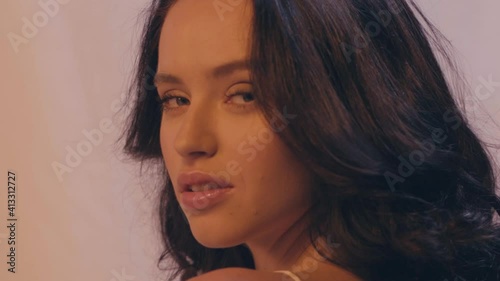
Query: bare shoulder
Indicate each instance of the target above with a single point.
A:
(245, 274)
(238, 274)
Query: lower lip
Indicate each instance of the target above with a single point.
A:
(204, 199)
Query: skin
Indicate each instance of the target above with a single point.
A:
(205, 130)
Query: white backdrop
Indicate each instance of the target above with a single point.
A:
(63, 70)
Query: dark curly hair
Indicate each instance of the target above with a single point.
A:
(405, 188)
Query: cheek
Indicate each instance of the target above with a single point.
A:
(273, 178)
(163, 139)
(166, 144)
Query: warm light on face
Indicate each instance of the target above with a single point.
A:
(211, 123)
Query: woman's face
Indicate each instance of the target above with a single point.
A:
(206, 130)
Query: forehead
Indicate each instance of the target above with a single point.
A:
(200, 33)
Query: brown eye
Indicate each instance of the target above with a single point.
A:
(246, 97)
(171, 102)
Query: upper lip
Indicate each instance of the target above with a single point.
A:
(186, 179)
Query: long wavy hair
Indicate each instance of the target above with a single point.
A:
(406, 189)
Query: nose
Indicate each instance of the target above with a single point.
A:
(196, 136)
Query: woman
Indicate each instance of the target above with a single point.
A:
(310, 140)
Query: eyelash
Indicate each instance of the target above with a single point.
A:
(167, 97)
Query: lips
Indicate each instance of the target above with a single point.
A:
(188, 179)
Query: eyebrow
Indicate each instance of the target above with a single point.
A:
(217, 73)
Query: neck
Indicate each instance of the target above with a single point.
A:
(281, 245)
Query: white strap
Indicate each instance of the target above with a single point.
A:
(289, 273)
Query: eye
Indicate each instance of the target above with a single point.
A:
(171, 102)
(241, 99)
